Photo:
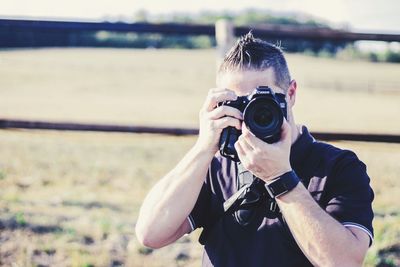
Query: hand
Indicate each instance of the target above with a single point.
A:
(214, 119)
(266, 161)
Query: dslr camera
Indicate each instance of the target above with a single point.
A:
(263, 113)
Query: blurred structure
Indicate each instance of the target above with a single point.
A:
(40, 33)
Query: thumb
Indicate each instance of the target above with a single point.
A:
(286, 133)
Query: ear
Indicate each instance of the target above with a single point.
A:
(291, 93)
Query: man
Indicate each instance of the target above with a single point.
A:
(325, 219)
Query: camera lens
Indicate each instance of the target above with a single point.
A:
(263, 116)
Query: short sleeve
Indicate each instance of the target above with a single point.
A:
(208, 205)
(350, 195)
(197, 217)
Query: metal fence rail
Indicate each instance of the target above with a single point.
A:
(64, 126)
(265, 31)
(71, 126)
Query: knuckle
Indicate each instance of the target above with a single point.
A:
(257, 151)
(216, 100)
(232, 111)
(248, 165)
(212, 124)
(226, 111)
(208, 116)
(244, 136)
(235, 123)
(238, 114)
(226, 121)
(251, 164)
(224, 108)
(220, 109)
(236, 145)
(252, 159)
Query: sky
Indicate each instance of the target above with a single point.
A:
(360, 15)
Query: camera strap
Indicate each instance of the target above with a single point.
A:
(250, 204)
(244, 180)
(251, 200)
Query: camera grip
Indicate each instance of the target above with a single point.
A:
(227, 141)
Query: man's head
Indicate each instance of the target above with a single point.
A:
(252, 62)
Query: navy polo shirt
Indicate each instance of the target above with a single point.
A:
(335, 178)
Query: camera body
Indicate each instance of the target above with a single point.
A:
(263, 113)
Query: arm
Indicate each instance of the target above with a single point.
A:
(162, 218)
(323, 240)
(163, 215)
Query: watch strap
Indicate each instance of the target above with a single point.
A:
(282, 184)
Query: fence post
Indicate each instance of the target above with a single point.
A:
(225, 37)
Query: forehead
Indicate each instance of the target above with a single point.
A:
(244, 82)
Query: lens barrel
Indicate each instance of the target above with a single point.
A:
(263, 116)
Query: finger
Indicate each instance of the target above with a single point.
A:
(244, 144)
(246, 130)
(222, 111)
(217, 89)
(240, 152)
(214, 98)
(286, 132)
(227, 121)
(251, 139)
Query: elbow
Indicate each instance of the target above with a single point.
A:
(148, 242)
(336, 259)
(351, 263)
(358, 259)
(345, 261)
(145, 238)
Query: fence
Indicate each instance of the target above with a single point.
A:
(224, 31)
(265, 31)
(63, 126)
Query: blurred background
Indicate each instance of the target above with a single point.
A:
(71, 198)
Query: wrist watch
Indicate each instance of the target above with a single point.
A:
(282, 184)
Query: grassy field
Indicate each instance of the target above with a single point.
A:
(168, 87)
(72, 199)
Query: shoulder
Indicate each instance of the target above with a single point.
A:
(343, 170)
(333, 160)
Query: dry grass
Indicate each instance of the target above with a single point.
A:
(72, 199)
(78, 195)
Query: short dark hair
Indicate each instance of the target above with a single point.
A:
(250, 53)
